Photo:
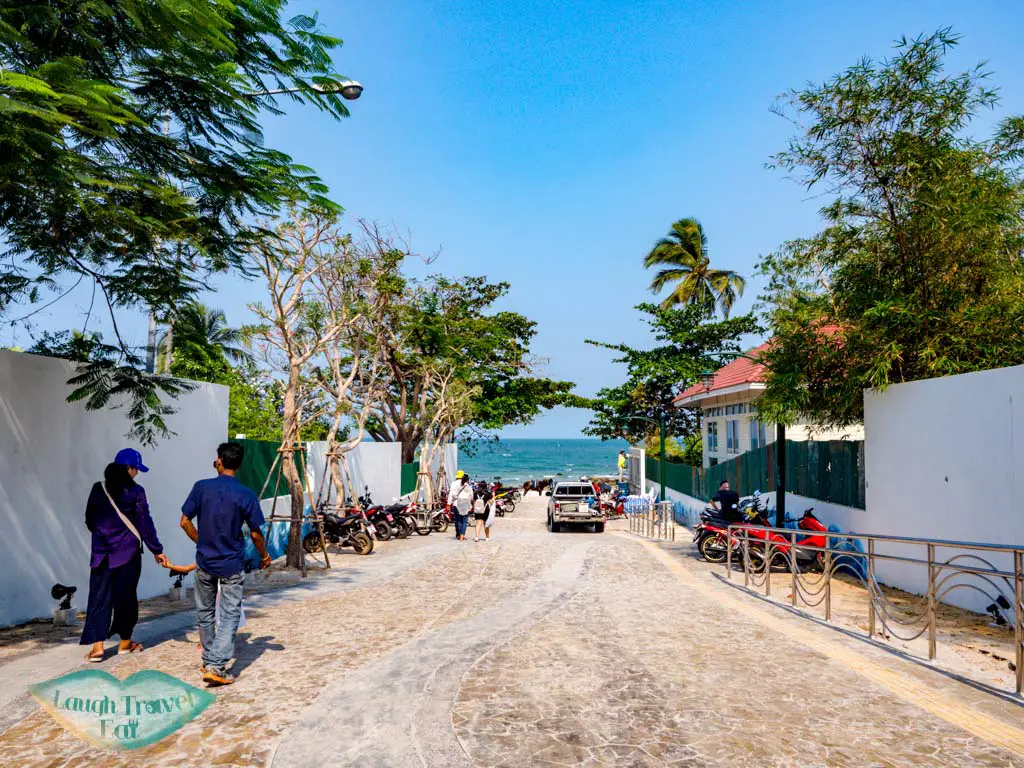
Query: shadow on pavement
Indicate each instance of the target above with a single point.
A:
(249, 648)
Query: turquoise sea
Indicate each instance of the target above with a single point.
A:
(515, 461)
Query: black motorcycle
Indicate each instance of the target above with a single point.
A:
(349, 531)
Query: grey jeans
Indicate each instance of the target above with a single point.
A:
(218, 640)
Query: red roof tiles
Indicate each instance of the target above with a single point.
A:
(739, 371)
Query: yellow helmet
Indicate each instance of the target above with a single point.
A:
(459, 475)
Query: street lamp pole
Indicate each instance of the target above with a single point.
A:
(661, 453)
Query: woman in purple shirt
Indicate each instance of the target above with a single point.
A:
(117, 514)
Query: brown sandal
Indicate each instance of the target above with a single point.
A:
(94, 657)
(132, 647)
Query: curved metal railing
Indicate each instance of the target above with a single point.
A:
(951, 566)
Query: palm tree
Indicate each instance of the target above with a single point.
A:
(684, 255)
(202, 328)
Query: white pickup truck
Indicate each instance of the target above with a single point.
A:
(566, 505)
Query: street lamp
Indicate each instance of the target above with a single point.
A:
(350, 90)
(707, 378)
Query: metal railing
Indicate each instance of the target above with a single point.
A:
(655, 522)
(813, 559)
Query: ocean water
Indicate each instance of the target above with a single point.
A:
(516, 461)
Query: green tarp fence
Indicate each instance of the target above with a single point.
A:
(830, 471)
(259, 459)
(409, 472)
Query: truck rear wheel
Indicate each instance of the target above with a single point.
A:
(553, 526)
(598, 527)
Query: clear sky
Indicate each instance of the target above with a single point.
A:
(550, 143)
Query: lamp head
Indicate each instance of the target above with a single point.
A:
(351, 90)
(707, 378)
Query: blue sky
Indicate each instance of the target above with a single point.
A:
(550, 143)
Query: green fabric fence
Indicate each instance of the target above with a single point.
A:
(259, 458)
(409, 472)
(830, 471)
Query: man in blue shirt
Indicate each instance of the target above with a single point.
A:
(219, 507)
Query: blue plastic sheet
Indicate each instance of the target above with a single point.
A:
(276, 537)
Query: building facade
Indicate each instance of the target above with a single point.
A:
(729, 421)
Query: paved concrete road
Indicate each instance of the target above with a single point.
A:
(539, 649)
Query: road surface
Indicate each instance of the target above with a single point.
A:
(534, 649)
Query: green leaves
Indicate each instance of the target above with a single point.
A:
(684, 254)
(689, 344)
(918, 273)
(130, 145)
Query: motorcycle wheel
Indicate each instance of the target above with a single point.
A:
(362, 544)
(518, 495)
(423, 531)
(384, 532)
(311, 543)
(756, 560)
(712, 550)
(402, 528)
(441, 524)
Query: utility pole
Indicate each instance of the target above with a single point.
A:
(780, 475)
(661, 456)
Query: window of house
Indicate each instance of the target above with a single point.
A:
(732, 436)
(758, 437)
(712, 437)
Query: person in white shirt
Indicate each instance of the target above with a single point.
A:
(460, 501)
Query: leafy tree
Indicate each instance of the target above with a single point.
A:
(131, 154)
(918, 271)
(443, 325)
(688, 341)
(207, 333)
(686, 267)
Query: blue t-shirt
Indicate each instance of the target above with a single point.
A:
(221, 505)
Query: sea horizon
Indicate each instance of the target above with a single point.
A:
(517, 459)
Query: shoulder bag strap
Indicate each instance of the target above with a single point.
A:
(124, 519)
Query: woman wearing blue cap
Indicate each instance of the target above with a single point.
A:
(117, 515)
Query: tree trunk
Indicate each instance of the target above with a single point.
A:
(290, 440)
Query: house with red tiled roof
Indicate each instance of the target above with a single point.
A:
(729, 422)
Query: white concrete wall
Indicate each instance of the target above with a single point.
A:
(846, 518)
(52, 453)
(942, 459)
(374, 465)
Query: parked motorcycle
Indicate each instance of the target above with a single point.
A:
(349, 531)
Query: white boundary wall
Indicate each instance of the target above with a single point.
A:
(53, 451)
(942, 459)
(374, 465)
(828, 513)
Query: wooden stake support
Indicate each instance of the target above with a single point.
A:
(315, 518)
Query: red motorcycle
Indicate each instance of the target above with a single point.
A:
(807, 549)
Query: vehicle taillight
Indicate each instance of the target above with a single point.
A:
(557, 506)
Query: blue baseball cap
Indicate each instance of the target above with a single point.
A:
(131, 458)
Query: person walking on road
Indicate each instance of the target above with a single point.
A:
(483, 511)
(622, 465)
(460, 499)
(220, 506)
(117, 516)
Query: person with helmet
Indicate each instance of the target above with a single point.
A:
(460, 500)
